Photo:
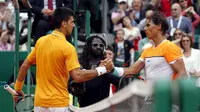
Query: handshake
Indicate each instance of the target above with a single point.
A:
(108, 63)
(105, 66)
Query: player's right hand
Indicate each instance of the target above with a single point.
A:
(16, 97)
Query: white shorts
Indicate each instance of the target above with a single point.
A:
(55, 109)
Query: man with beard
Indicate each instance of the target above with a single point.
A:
(98, 88)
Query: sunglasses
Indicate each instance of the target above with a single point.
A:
(185, 40)
(95, 45)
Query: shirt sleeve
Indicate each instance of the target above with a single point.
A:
(71, 59)
(172, 53)
(142, 57)
(32, 56)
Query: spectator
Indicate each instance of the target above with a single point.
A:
(98, 88)
(132, 33)
(177, 37)
(142, 23)
(183, 4)
(118, 14)
(4, 45)
(178, 21)
(136, 13)
(191, 56)
(154, 5)
(43, 10)
(190, 13)
(122, 49)
(165, 6)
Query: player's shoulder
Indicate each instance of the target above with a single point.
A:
(168, 43)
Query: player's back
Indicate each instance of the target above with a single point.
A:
(51, 71)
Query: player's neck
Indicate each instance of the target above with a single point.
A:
(158, 40)
(61, 31)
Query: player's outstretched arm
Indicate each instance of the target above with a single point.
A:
(134, 68)
(84, 75)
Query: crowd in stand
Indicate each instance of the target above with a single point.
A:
(128, 19)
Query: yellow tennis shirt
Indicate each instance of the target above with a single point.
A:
(54, 57)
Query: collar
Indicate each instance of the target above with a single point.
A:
(159, 44)
(58, 34)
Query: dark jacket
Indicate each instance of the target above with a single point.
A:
(127, 47)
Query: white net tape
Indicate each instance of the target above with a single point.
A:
(127, 99)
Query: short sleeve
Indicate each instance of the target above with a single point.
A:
(172, 53)
(142, 57)
(71, 59)
(32, 56)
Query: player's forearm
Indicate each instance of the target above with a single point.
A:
(129, 70)
(22, 73)
(85, 75)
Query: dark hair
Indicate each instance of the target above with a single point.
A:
(190, 38)
(158, 18)
(109, 47)
(85, 56)
(123, 20)
(61, 14)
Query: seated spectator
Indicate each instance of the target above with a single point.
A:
(132, 33)
(177, 37)
(43, 10)
(118, 14)
(193, 17)
(191, 56)
(4, 45)
(178, 21)
(136, 13)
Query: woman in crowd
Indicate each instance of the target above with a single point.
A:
(177, 37)
(190, 56)
(131, 33)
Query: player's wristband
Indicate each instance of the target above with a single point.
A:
(101, 70)
(118, 71)
(18, 85)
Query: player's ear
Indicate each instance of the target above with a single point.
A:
(158, 26)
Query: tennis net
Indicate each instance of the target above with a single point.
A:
(129, 99)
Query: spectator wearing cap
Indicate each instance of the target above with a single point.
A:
(118, 14)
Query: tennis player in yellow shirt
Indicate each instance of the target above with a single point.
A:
(55, 60)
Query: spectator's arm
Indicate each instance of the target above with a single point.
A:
(115, 17)
(197, 18)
